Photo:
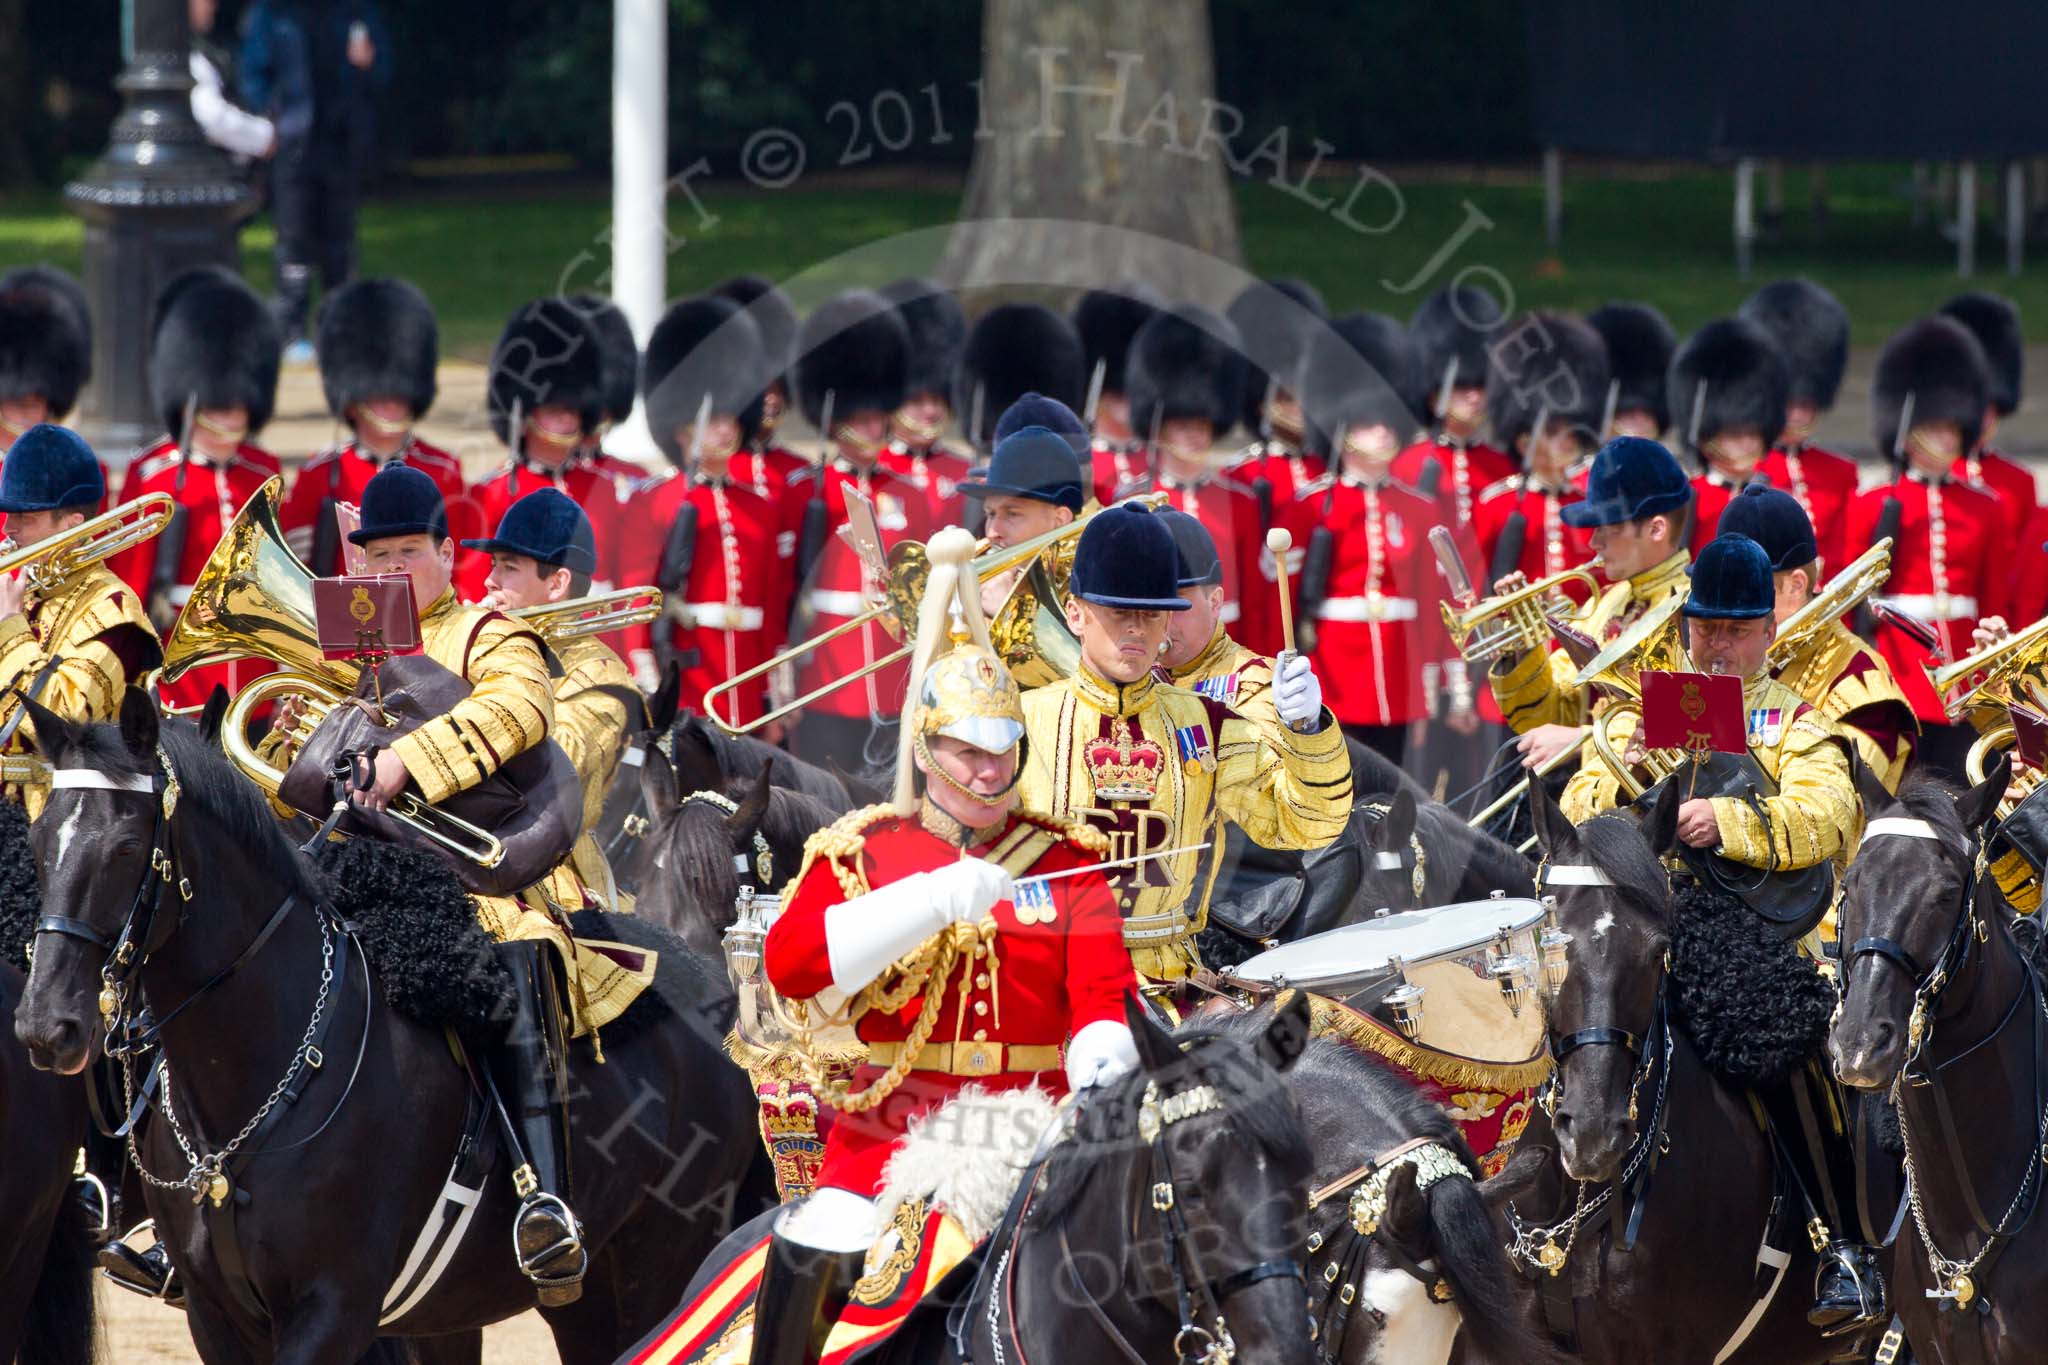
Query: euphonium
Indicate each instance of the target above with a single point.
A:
(50, 562)
(1858, 581)
(596, 614)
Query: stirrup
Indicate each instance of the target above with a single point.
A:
(1859, 1265)
(91, 1192)
(146, 1271)
(555, 1286)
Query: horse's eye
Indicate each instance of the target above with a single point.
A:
(127, 847)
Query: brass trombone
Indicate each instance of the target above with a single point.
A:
(50, 562)
(1512, 622)
(599, 613)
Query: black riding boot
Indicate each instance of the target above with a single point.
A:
(802, 1292)
(146, 1271)
(1813, 1133)
(527, 1070)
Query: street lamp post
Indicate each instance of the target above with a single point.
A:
(160, 200)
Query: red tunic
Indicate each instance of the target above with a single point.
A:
(1468, 470)
(1950, 566)
(342, 472)
(1379, 624)
(1116, 465)
(1824, 484)
(212, 495)
(733, 609)
(601, 490)
(1230, 514)
(1048, 980)
(2029, 600)
(1288, 468)
(1711, 493)
(2011, 483)
(937, 470)
(834, 592)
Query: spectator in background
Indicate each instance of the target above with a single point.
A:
(313, 67)
(235, 130)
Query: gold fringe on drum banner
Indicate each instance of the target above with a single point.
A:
(1333, 1019)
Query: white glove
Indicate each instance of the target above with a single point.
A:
(1099, 1054)
(1297, 696)
(864, 935)
(646, 672)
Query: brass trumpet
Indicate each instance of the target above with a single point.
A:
(1512, 622)
(599, 613)
(49, 563)
(2000, 665)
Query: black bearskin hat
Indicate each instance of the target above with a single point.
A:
(1015, 349)
(1729, 374)
(45, 337)
(1108, 321)
(1360, 370)
(1455, 323)
(775, 319)
(1640, 344)
(1812, 331)
(1556, 365)
(618, 354)
(1938, 363)
(214, 342)
(1275, 318)
(377, 339)
(938, 330)
(702, 346)
(1995, 322)
(547, 356)
(1185, 363)
(856, 348)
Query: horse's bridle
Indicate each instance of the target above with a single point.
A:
(761, 873)
(1198, 1294)
(1366, 1212)
(1387, 860)
(1930, 983)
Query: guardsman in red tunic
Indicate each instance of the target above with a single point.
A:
(1812, 330)
(619, 378)
(1554, 370)
(1640, 344)
(1451, 333)
(546, 395)
(1951, 554)
(699, 534)
(1275, 319)
(378, 347)
(956, 966)
(1014, 351)
(763, 465)
(1370, 583)
(852, 358)
(1185, 383)
(215, 355)
(1995, 322)
(45, 350)
(937, 330)
(1728, 387)
(1108, 321)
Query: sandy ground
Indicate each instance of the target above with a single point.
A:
(134, 1331)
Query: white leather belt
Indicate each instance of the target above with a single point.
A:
(179, 595)
(1366, 609)
(1932, 607)
(721, 616)
(831, 602)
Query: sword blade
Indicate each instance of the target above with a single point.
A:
(1117, 862)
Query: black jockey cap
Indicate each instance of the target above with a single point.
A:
(1032, 463)
(1037, 410)
(48, 468)
(547, 527)
(1773, 519)
(1200, 565)
(1127, 560)
(399, 501)
(1731, 581)
(1632, 478)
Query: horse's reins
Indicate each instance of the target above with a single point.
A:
(1959, 1280)
(1366, 1216)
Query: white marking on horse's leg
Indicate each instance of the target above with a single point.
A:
(1418, 1330)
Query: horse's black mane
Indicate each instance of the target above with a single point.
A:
(1615, 845)
(1364, 1083)
(1484, 863)
(211, 783)
(1215, 1053)
(742, 757)
(791, 818)
(1931, 797)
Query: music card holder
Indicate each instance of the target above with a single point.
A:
(366, 618)
(1699, 713)
(863, 535)
(355, 560)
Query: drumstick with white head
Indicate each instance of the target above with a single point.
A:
(1279, 544)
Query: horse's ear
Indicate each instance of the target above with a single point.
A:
(1979, 804)
(1406, 1221)
(746, 817)
(140, 723)
(1869, 786)
(1156, 1049)
(1286, 1035)
(1554, 833)
(216, 711)
(55, 736)
(663, 706)
(1397, 826)
(1660, 826)
(658, 787)
(697, 767)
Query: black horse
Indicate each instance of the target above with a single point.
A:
(1942, 1005)
(1658, 1207)
(1421, 852)
(1167, 1223)
(344, 1160)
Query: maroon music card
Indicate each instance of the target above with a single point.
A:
(2030, 736)
(1699, 711)
(362, 616)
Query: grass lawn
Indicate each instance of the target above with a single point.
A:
(1665, 238)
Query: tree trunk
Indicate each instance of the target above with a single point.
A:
(1097, 147)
